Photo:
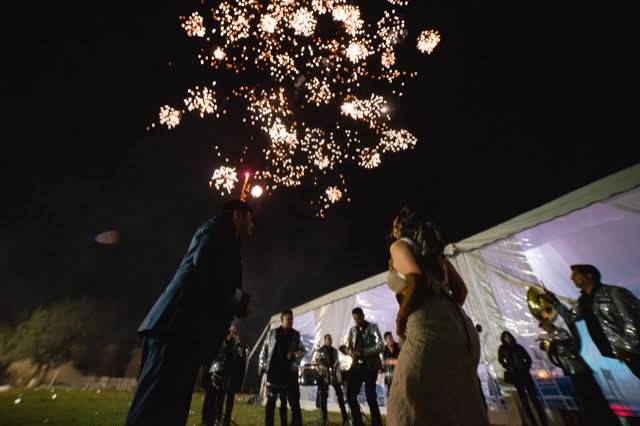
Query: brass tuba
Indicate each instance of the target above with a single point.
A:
(540, 305)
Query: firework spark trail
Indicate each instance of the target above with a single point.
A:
(314, 76)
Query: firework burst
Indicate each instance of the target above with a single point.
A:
(224, 177)
(428, 40)
(315, 78)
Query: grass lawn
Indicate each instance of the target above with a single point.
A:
(89, 408)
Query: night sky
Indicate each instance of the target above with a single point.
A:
(514, 109)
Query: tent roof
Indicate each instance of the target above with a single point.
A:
(602, 189)
(341, 293)
(607, 187)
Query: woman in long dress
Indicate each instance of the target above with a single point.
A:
(435, 381)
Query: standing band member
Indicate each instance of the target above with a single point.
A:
(280, 357)
(327, 357)
(226, 377)
(611, 313)
(564, 351)
(364, 344)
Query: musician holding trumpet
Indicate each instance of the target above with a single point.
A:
(611, 313)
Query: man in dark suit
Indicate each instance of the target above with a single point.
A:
(187, 325)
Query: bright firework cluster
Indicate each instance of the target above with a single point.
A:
(428, 40)
(314, 77)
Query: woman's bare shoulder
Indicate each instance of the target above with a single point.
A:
(399, 246)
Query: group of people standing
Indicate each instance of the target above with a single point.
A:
(440, 350)
(280, 358)
(186, 328)
(434, 374)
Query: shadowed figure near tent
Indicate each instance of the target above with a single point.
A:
(186, 326)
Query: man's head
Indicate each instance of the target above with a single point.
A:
(287, 319)
(241, 215)
(358, 316)
(585, 276)
(388, 338)
(328, 341)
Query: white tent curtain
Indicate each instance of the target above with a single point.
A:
(598, 224)
(604, 234)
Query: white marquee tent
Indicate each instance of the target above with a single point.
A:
(598, 224)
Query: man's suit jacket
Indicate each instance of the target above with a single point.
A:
(198, 303)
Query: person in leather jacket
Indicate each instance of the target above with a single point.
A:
(611, 313)
(364, 344)
(280, 357)
(326, 356)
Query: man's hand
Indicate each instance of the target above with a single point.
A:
(551, 296)
(356, 354)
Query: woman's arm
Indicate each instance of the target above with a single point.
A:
(405, 263)
(456, 284)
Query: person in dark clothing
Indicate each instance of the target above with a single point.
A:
(564, 351)
(188, 322)
(390, 356)
(517, 363)
(484, 398)
(226, 377)
(611, 313)
(364, 344)
(326, 357)
(280, 357)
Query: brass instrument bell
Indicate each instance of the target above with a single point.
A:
(540, 305)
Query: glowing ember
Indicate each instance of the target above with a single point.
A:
(219, 54)
(268, 23)
(224, 178)
(357, 52)
(369, 158)
(193, 25)
(333, 194)
(428, 40)
(202, 101)
(169, 116)
(397, 140)
(257, 191)
(388, 58)
(303, 22)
